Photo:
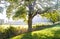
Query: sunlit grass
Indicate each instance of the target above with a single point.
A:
(48, 33)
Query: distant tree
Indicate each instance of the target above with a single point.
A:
(28, 8)
(54, 16)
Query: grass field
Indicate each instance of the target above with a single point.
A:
(47, 33)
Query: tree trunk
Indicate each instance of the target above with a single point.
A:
(30, 17)
(29, 23)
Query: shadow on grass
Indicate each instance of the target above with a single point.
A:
(27, 36)
(57, 34)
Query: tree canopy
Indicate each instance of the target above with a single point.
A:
(29, 9)
(21, 7)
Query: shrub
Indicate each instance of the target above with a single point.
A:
(1, 32)
(10, 32)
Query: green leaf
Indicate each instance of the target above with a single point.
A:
(20, 13)
(53, 16)
(13, 1)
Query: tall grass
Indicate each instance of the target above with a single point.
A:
(8, 32)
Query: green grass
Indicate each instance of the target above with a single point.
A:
(48, 33)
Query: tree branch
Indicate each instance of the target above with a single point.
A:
(41, 12)
(35, 13)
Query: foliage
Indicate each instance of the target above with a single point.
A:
(53, 16)
(12, 1)
(20, 13)
(9, 11)
(9, 32)
(14, 4)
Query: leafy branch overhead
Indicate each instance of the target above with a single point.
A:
(14, 4)
(20, 13)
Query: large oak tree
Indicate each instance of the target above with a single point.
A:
(29, 9)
